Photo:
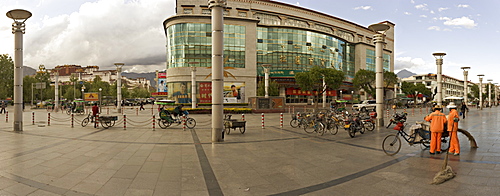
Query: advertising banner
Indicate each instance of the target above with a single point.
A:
(91, 96)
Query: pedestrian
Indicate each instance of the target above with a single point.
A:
(438, 120)
(95, 111)
(142, 106)
(4, 105)
(453, 119)
(464, 109)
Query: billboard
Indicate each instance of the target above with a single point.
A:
(162, 85)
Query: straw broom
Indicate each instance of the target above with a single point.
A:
(446, 172)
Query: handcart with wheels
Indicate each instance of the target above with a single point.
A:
(233, 124)
(107, 121)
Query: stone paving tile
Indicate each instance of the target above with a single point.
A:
(139, 161)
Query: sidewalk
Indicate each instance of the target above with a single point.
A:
(60, 160)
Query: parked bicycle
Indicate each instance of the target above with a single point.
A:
(298, 120)
(397, 117)
(315, 124)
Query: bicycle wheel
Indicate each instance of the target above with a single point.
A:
(106, 124)
(333, 128)
(294, 123)
(68, 111)
(362, 130)
(309, 126)
(369, 126)
(351, 132)
(85, 121)
(162, 123)
(391, 144)
(190, 123)
(319, 128)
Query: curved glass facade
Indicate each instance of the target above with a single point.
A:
(192, 42)
(293, 50)
(370, 60)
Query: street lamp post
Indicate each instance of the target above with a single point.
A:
(217, 7)
(379, 40)
(439, 62)
(83, 90)
(266, 79)
(56, 86)
(100, 99)
(489, 92)
(466, 84)
(481, 91)
(19, 16)
(193, 84)
(119, 86)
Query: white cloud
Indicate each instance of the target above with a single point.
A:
(421, 6)
(102, 33)
(459, 22)
(412, 1)
(363, 8)
(407, 13)
(442, 9)
(432, 12)
(463, 6)
(423, 16)
(417, 65)
(436, 28)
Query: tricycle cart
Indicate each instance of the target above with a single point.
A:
(107, 121)
(233, 124)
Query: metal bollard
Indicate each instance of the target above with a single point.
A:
(183, 122)
(48, 121)
(107, 112)
(413, 111)
(72, 119)
(154, 122)
(242, 116)
(137, 111)
(281, 120)
(32, 118)
(388, 114)
(124, 122)
(6, 116)
(263, 120)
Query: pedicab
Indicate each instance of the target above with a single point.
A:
(167, 118)
(78, 107)
(233, 124)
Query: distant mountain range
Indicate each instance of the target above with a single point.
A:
(28, 71)
(405, 73)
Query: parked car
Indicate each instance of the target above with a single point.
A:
(366, 105)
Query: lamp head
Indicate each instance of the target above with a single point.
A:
(119, 64)
(481, 75)
(19, 15)
(439, 55)
(380, 28)
(464, 68)
(489, 80)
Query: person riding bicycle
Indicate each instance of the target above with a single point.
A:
(178, 110)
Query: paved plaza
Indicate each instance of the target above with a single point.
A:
(64, 160)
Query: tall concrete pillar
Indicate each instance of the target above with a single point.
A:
(217, 7)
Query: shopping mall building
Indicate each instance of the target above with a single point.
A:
(289, 38)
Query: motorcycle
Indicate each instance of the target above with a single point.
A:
(398, 119)
(353, 124)
(369, 121)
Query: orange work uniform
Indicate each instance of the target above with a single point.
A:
(437, 120)
(452, 129)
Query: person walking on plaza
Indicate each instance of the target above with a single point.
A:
(4, 105)
(464, 109)
(453, 119)
(438, 120)
(142, 105)
(95, 111)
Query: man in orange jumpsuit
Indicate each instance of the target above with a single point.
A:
(438, 120)
(453, 119)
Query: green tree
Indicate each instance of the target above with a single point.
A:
(414, 89)
(6, 76)
(365, 79)
(312, 80)
(273, 88)
(28, 88)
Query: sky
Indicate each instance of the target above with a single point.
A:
(104, 32)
